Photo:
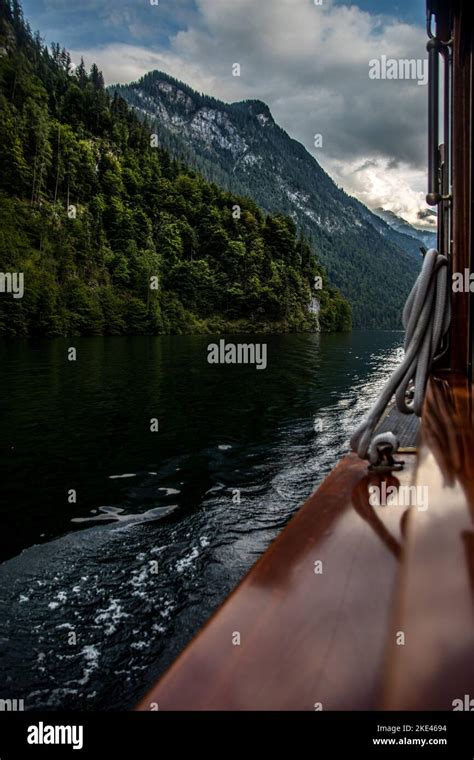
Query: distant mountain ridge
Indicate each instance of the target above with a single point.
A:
(422, 237)
(239, 146)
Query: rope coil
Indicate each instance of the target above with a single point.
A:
(426, 319)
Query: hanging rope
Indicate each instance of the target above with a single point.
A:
(426, 318)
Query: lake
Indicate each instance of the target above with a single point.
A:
(140, 482)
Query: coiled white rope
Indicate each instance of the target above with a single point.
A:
(426, 318)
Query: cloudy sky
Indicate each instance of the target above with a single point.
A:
(308, 61)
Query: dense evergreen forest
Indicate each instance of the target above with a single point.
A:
(112, 235)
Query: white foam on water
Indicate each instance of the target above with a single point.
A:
(187, 561)
(91, 655)
(111, 616)
(168, 608)
(140, 645)
(117, 514)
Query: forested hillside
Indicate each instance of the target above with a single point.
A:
(115, 237)
(242, 148)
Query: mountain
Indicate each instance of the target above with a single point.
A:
(112, 236)
(239, 146)
(417, 237)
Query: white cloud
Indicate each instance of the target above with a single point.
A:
(376, 183)
(310, 64)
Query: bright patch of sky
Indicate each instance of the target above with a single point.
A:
(410, 11)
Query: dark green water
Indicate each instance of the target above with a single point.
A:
(155, 539)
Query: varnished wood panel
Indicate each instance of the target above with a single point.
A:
(435, 664)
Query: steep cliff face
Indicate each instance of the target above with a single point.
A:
(240, 146)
